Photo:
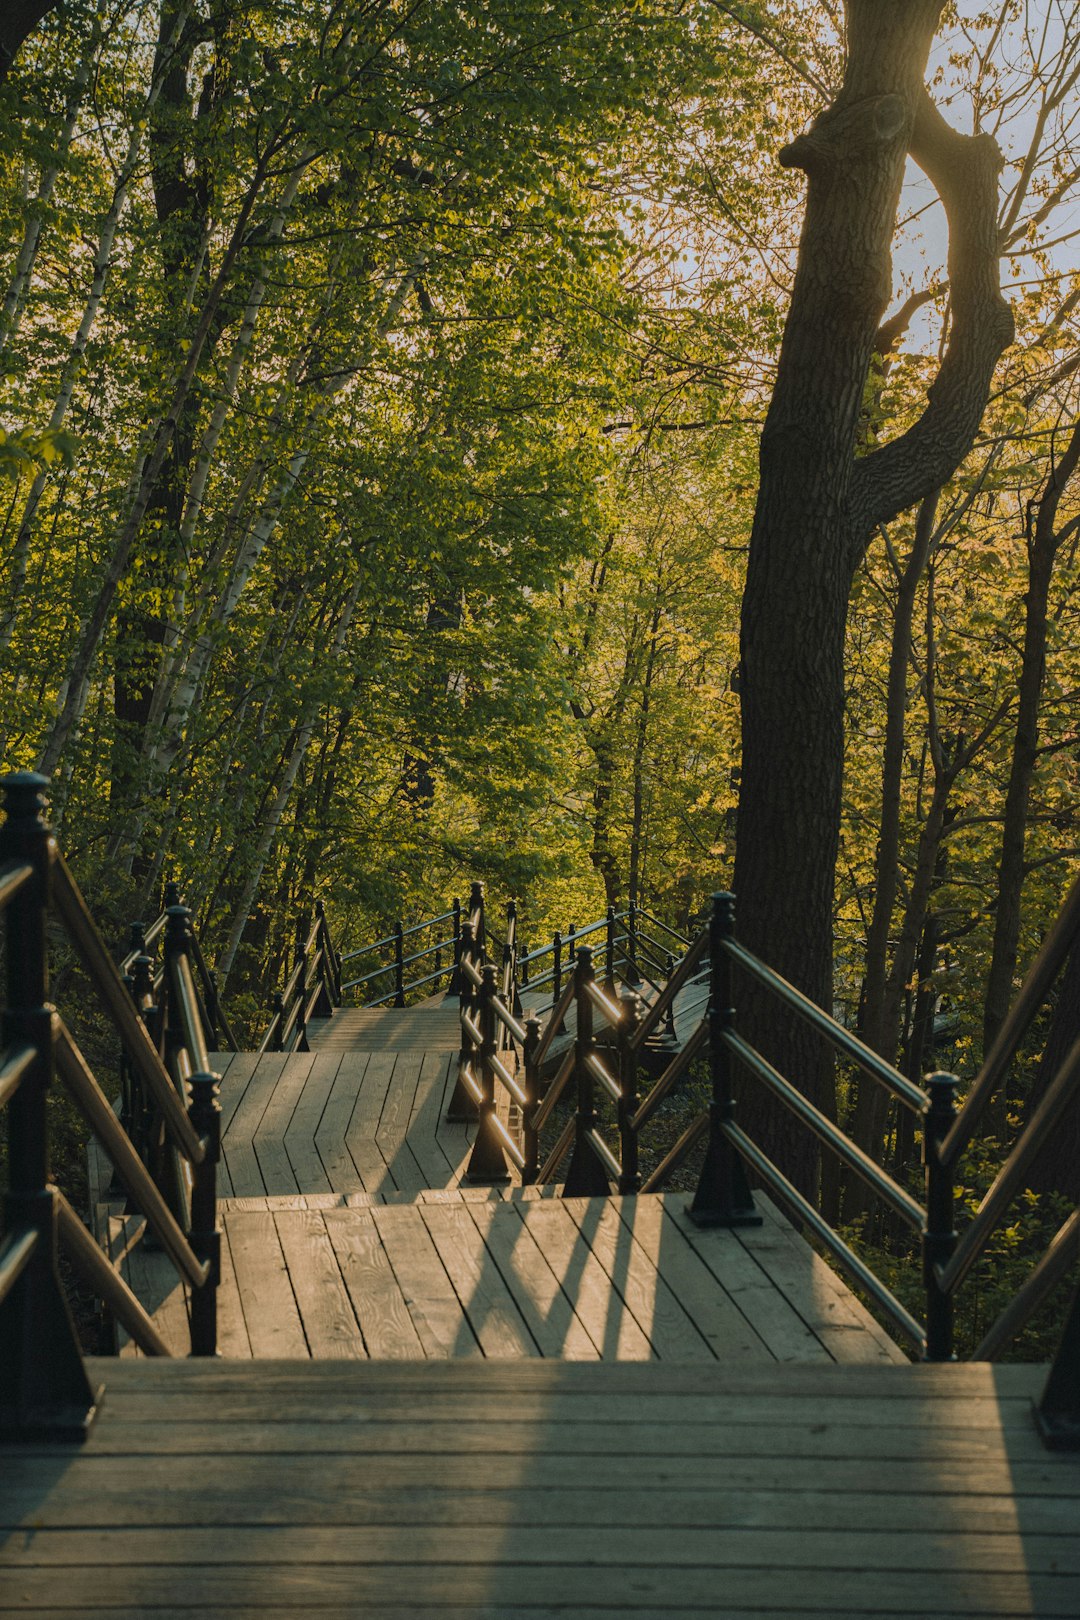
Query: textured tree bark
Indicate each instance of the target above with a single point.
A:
(1044, 541)
(18, 19)
(818, 505)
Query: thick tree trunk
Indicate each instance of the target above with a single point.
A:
(817, 505)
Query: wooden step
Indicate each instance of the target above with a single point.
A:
(470, 1491)
(463, 1273)
(431, 1026)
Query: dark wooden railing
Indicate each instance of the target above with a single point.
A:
(604, 1079)
(44, 1388)
(406, 968)
(312, 990)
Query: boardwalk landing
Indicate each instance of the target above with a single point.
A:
(473, 1491)
(504, 1454)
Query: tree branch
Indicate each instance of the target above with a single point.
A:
(964, 169)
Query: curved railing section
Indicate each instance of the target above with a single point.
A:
(312, 990)
(44, 1387)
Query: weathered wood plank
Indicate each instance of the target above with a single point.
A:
(583, 1280)
(232, 1333)
(716, 1317)
(376, 1295)
(441, 1326)
(657, 1311)
(330, 1134)
(269, 1136)
(633, 1589)
(266, 1296)
(544, 1307)
(303, 1128)
(238, 1140)
(484, 1297)
(322, 1299)
(360, 1133)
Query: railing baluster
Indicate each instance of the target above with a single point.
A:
(609, 964)
(585, 1176)
(529, 1135)
(399, 964)
(462, 1107)
(487, 1163)
(44, 1390)
(205, 1115)
(630, 1180)
(633, 975)
(556, 972)
(723, 1195)
(939, 1240)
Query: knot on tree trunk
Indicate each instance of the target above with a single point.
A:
(846, 132)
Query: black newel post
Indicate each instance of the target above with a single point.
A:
(278, 1044)
(1057, 1412)
(585, 1177)
(454, 986)
(204, 1112)
(487, 1162)
(44, 1390)
(476, 917)
(302, 986)
(939, 1240)
(556, 971)
(723, 1195)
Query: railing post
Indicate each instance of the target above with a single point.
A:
(487, 1162)
(1057, 1411)
(454, 987)
(204, 1112)
(571, 945)
(669, 973)
(630, 1180)
(585, 1177)
(530, 1138)
(939, 1239)
(329, 978)
(609, 965)
(476, 917)
(170, 1170)
(44, 1390)
(399, 964)
(302, 985)
(723, 1195)
(278, 1021)
(633, 976)
(462, 1107)
(510, 961)
(556, 971)
(142, 994)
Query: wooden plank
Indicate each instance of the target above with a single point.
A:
(484, 1296)
(269, 1137)
(583, 1280)
(373, 1289)
(632, 1270)
(155, 1282)
(232, 1333)
(947, 1552)
(391, 1132)
(324, 1302)
(630, 1589)
(544, 1307)
(428, 1149)
(364, 1122)
(338, 1489)
(441, 1325)
(307, 1116)
(234, 1084)
(330, 1134)
(776, 1323)
(266, 1296)
(238, 1140)
(823, 1300)
(716, 1317)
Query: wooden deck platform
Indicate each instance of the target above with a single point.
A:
(476, 1275)
(467, 1491)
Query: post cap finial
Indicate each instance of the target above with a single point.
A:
(24, 792)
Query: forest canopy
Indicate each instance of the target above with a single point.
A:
(383, 393)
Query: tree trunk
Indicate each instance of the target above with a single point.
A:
(1043, 543)
(818, 506)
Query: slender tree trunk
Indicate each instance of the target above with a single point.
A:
(1043, 544)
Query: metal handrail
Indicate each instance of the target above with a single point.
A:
(390, 939)
(1033, 991)
(912, 1096)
